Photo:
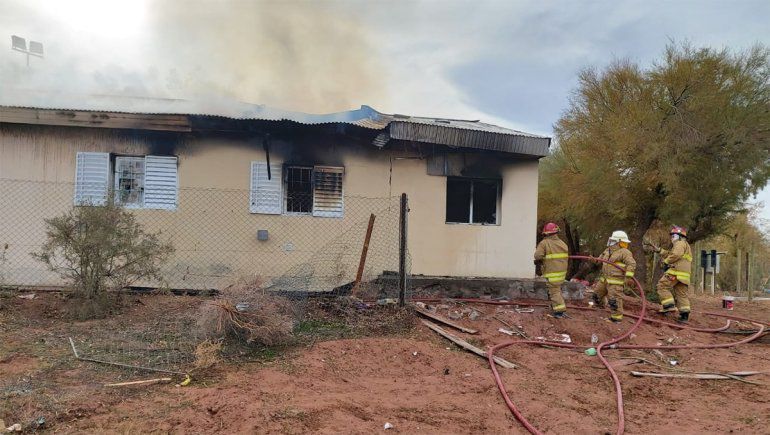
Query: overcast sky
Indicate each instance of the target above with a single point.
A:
(507, 62)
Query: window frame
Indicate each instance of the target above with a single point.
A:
(473, 180)
(160, 179)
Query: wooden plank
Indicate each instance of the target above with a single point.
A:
(72, 118)
(445, 321)
(715, 376)
(467, 346)
(144, 382)
(364, 251)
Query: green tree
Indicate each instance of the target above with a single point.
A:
(99, 249)
(685, 141)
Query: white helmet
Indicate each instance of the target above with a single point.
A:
(618, 236)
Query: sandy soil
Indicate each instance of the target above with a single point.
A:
(414, 380)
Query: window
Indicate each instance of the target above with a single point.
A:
(138, 182)
(299, 190)
(129, 181)
(290, 189)
(472, 201)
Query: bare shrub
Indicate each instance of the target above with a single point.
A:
(248, 314)
(99, 249)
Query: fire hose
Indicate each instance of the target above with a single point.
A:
(612, 344)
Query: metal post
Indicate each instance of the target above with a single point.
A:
(713, 281)
(402, 250)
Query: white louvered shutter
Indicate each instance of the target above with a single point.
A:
(161, 182)
(327, 191)
(266, 194)
(92, 178)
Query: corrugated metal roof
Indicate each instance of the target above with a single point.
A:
(451, 132)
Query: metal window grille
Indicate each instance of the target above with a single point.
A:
(299, 189)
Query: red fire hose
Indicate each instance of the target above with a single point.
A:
(609, 343)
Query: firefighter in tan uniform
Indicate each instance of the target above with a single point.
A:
(553, 254)
(675, 282)
(613, 280)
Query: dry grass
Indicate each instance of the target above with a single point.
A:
(207, 355)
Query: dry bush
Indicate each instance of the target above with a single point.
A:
(246, 313)
(206, 355)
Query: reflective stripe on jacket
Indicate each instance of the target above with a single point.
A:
(679, 258)
(621, 257)
(553, 252)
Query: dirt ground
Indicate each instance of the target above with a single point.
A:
(340, 380)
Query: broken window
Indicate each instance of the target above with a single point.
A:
(299, 189)
(129, 181)
(138, 182)
(472, 201)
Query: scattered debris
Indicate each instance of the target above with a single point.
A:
(591, 351)
(40, 422)
(507, 332)
(594, 339)
(143, 382)
(446, 371)
(14, 428)
(127, 366)
(560, 338)
(474, 315)
(414, 353)
(455, 315)
(387, 426)
(524, 310)
(465, 345)
(27, 296)
(446, 321)
(387, 301)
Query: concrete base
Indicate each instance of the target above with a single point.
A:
(507, 288)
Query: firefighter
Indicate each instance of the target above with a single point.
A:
(613, 280)
(552, 255)
(675, 282)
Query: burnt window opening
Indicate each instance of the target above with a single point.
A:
(472, 201)
(299, 189)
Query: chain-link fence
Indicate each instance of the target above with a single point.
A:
(217, 240)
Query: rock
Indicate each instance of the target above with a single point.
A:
(455, 315)
(387, 426)
(474, 315)
(420, 305)
(15, 428)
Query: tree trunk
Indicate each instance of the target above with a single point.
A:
(637, 248)
(573, 243)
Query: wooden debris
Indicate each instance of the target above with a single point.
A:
(144, 382)
(467, 346)
(445, 321)
(714, 376)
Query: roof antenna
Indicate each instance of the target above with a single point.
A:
(20, 44)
